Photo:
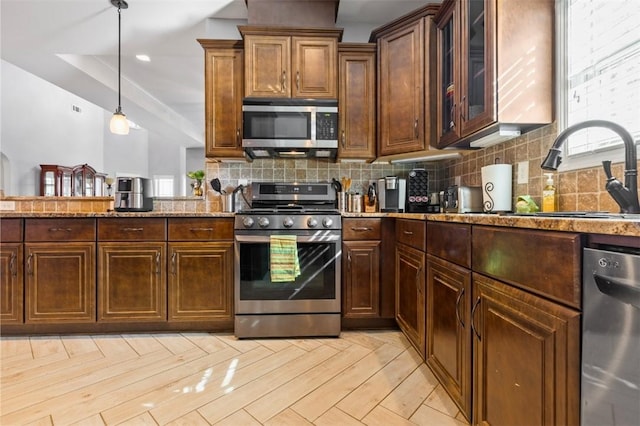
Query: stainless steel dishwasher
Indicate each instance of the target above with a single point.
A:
(611, 337)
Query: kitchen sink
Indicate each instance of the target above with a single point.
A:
(582, 215)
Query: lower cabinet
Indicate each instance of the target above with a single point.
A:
(132, 281)
(60, 283)
(11, 272)
(132, 270)
(410, 281)
(525, 357)
(200, 285)
(449, 329)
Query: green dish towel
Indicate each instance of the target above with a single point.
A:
(285, 265)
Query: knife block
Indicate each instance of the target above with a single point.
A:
(367, 207)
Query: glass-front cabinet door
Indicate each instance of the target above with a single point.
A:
(84, 180)
(477, 104)
(55, 180)
(448, 86)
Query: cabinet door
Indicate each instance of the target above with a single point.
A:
(410, 297)
(400, 90)
(60, 284)
(314, 62)
(200, 281)
(526, 357)
(223, 102)
(357, 104)
(11, 284)
(477, 92)
(132, 282)
(361, 279)
(267, 66)
(449, 329)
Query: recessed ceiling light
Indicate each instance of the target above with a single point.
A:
(143, 58)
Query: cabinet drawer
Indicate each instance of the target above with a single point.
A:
(361, 229)
(132, 229)
(450, 241)
(10, 230)
(56, 229)
(411, 233)
(200, 229)
(544, 262)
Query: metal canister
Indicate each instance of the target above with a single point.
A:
(342, 202)
(356, 203)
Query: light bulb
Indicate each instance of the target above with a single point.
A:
(119, 124)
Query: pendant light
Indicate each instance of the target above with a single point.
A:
(119, 124)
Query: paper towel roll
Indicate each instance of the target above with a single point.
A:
(497, 188)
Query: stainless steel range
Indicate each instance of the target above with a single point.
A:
(296, 222)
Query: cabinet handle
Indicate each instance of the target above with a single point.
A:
(12, 265)
(415, 128)
(158, 263)
(462, 115)
(418, 280)
(284, 81)
(407, 232)
(201, 229)
(60, 229)
(473, 312)
(132, 229)
(361, 229)
(458, 308)
(173, 263)
(344, 140)
(297, 80)
(237, 137)
(452, 123)
(30, 264)
(349, 261)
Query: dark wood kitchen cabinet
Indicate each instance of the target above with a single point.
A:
(494, 65)
(224, 78)
(410, 281)
(60, 268)
(200, 275)
(361, 268)
(291, 63)
(526, 326)
(357, 101)
(132, 268)
(405, 80)
(11, 272)
(448, 351)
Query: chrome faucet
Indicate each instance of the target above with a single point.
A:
(626, 196)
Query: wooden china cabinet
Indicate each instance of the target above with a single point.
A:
(357, 101)
(282, 62)
(224, 72)
(56, 180)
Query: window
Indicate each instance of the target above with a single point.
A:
(599, 75)
(162, 186)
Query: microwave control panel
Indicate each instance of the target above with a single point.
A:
(326, 126)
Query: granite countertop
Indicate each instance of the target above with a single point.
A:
(624, 226)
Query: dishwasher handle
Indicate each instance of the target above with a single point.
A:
(620, 289)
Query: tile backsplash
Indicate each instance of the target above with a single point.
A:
(577, 190)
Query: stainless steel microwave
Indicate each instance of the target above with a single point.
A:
(290, 128)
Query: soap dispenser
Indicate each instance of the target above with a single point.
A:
(549, 195)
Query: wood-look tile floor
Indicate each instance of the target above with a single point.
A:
(372, 378)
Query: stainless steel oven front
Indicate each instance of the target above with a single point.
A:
(306, 306)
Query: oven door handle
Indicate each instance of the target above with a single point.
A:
(316, 238)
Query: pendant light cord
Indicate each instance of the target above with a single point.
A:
(119, 56)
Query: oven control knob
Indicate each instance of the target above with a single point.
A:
(263, 222)
(327, 222)
(247, 222)
(287, 222)
(312, 222)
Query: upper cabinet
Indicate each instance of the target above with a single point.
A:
(223, 67)
(285, 62)
(406, 49)
(494, 69)
(357, 100)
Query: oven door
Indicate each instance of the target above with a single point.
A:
(316, 289)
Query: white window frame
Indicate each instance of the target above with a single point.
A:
(584, 160)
